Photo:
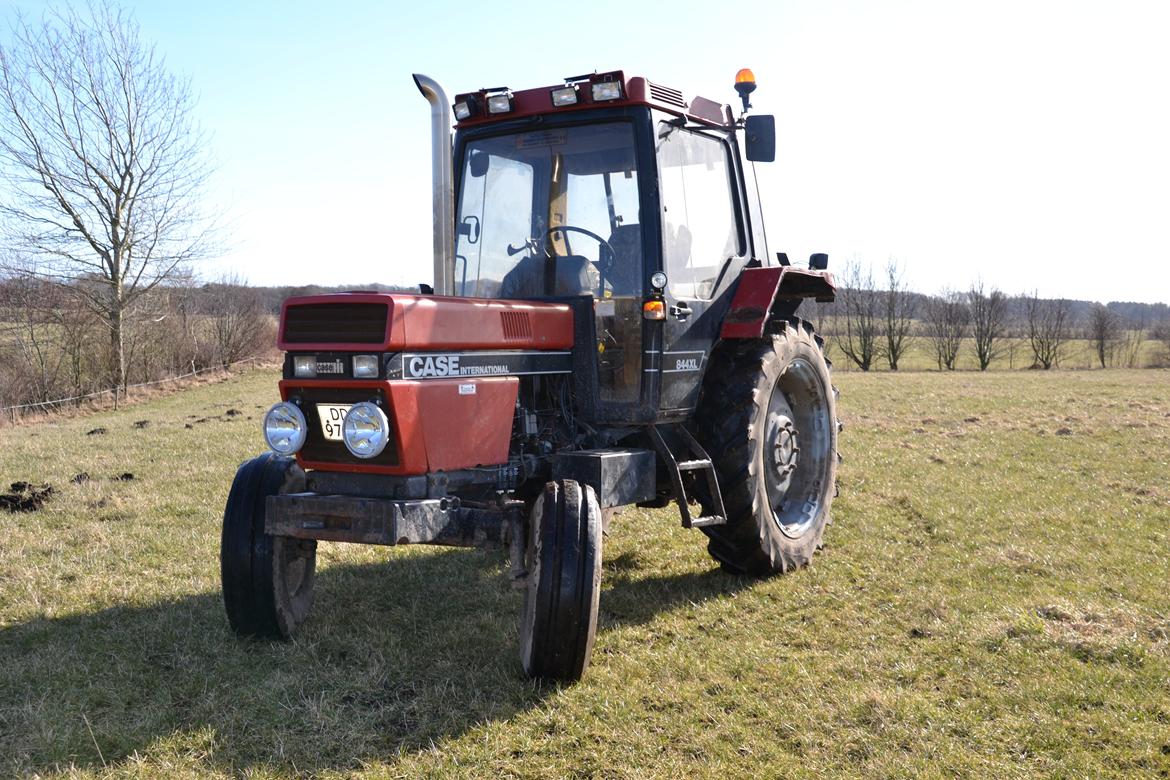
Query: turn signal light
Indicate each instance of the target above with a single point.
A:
(654, 309)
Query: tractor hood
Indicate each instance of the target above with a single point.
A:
(400, 321)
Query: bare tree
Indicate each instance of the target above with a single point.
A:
(1104, 332)
(1049, 321)
(862, 305)
(988, 313)
(899, 314)
(946, 325)
(1133, 337)
(104, 165)
(240, 326)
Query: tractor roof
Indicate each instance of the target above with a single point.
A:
(597, 90)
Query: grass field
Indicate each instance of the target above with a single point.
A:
(993, 602)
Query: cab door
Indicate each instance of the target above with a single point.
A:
(702, 244)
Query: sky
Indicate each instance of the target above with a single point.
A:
(1021, 143)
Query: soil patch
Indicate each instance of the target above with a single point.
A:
(25, 497)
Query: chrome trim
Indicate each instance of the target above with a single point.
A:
(443, 184)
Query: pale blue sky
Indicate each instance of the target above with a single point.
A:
(1023, 141)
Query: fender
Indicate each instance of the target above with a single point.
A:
(764, 293)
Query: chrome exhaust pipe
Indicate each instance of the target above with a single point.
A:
(443, 184)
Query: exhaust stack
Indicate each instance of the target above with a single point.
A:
(443, 184)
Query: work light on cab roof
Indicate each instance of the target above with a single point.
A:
(606, 328)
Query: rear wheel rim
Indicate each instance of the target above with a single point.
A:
(796, 448)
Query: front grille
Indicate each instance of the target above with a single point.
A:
(336, 323)
(666, 95)
(517, 326)
(317, 448)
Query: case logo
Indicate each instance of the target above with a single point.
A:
(438, 365)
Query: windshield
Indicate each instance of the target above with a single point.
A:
(550, 212)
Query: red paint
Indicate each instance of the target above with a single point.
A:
(759, 288)
(435, 428)
(636, 91)
(430, 322)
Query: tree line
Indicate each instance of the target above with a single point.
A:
(875, 320)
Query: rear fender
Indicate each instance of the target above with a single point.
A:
(772, 292)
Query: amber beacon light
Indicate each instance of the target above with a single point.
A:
(745, 84)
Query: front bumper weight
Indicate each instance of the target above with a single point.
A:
(361, 520)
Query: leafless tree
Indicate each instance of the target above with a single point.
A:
(1104, 332)
(1049, 321)
(240, 326)
(899, 312)
(104, 166)
(946, 324)
(1161, 333)
(988, 313)
(1132, 339)
(861, 304)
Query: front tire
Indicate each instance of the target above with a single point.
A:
(558, 622)
(267, 580)
(768, 418)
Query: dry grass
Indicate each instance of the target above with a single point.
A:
(992, 602)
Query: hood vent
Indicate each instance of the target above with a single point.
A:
(666, 95)
(517, 326)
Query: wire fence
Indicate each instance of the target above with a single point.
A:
(12, 412)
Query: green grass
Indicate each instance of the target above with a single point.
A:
(993, 601)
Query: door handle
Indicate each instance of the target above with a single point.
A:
(680, 310)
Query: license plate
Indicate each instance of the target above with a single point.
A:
(332, 420)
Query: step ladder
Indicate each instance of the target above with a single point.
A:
(693, 460)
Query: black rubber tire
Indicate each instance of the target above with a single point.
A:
(733, 423)
(267, 580)
(558, 622)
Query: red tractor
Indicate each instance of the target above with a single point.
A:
(606, 328)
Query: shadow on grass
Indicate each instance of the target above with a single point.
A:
(397, 656)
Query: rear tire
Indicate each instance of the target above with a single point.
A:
(768, 419)
(558, 622)
(267, 580)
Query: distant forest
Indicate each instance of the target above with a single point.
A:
(53, 345)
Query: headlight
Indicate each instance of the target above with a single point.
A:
(305, 365)
(285, 428)
(366, 430)
(365, 366)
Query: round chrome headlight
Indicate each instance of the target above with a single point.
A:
(285, 428)
(366, 430)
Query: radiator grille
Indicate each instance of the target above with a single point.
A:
(667, 95)
(336, 323)
(317, 448)
(517, 326)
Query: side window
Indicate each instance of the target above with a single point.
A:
(699, 226)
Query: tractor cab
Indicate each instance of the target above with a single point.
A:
(616, 190)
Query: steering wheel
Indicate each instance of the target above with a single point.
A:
(606, 256)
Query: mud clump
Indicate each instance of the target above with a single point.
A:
(232, 413)
(126, 477)
(80, 478)
(25, 497)
(142, 424)
(96, 432)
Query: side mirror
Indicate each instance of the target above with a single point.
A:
(469, 227)
(818, 261)
(478, 164)
(760, 138)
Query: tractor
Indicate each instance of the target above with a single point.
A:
(605, 328)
